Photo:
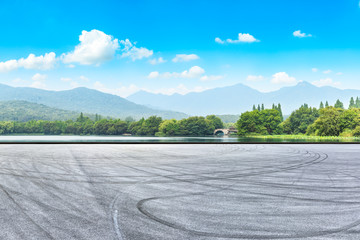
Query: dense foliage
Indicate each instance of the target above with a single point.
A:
(260, 122)
(325, 121)
(300, 119)
(83, 125)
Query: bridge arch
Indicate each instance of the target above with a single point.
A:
(225, 131)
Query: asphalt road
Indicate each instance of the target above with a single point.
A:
(179, 191)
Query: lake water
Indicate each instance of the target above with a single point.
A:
(132, 139)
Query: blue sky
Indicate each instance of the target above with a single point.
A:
(121, 47)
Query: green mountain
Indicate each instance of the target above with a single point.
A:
(84, 100)
(23, 111)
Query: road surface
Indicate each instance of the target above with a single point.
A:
(179, 191)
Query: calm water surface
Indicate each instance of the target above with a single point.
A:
(32, 138)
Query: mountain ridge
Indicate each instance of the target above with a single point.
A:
(84, 100)
(238, 98)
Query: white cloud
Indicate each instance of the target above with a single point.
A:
(327, 71)
(282, 78)
(39, 77)
(95, 47)
(153, 75)
(39, 80)
(157, 61)
(74, 84)
(180, 89)
(193, 72)
(254, 78)
(130, 50)
(122, 91)
(326, 82)
(185, 57)
(84, 78)
(218, 40)
(125, 91)
(314, 69)
(242, 38)
(211, 78)
(65, 79)
(339, 73)
(299, 34)
(38, 84)
(42, 62)
(17, 80)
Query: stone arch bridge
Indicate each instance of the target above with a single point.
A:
(225, 131)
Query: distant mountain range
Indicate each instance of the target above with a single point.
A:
(239, 98)
(84, 100)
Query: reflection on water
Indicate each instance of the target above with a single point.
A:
(42, 138)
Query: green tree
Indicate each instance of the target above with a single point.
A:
(321, 105)
(327, 124)
(216, 121)
(169, 128)
(349, 119)
(326, 104)
(300, 119)
(357, 102)
(262, 107)
(339, 104)
(352, 103)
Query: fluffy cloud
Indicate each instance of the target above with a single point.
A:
(326, 82)
(218, 40)
(299, 34)
(314, 69)
(122, 91)
(253, 78)
(83, 78)
(42, 62)
(211, 78)
(153, 75)
(193, 72)
(65, 79)
(180, 89)
(157, 61)
(242, 38)
(39, 77)
(130, 50)
(39, 80)
(282, 78)
(95, 47)
(185, 57)
(327, 71)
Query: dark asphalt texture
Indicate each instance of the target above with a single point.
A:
(209, 191)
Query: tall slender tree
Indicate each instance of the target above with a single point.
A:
(357, 102)
(321, 105)
(352, 103)
(326, 104)
(254, 108)
(262, 107)
(280, 111)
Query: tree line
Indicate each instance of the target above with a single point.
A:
(325, 121)
(83, 125)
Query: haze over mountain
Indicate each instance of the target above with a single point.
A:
(84, 100)
(239, 98)
(23, 111)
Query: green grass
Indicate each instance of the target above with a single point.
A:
(306, 137)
